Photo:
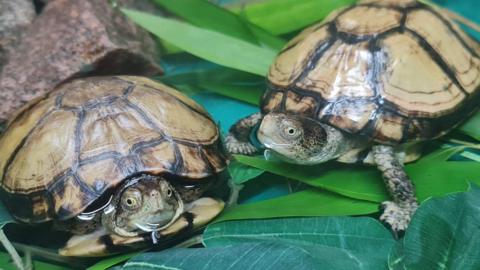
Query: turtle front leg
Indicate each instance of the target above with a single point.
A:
(238, 138)
(396, 213)
(198, 214)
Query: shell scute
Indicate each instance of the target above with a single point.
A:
(417, 96)
(113, 128)
(42, 157)
(291, 61)
(173, 118)
(342, 71)
(435, 30)
(365, 20)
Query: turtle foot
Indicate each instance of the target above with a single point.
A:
(235, 146)
(398, 216)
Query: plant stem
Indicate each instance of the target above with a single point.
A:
(17, 260)
(465, 143)
(28, 260)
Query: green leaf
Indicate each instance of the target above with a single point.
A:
(207, 44)
(360, 234)
(311, 202)
(355, 181)
(284, 16)
(433, 175)
(112, 261)
(207, 15)
(241, 173)
(266, 255)
(364, 238)
(294, 243)
(472, 127)
(444, 234)
(264, 37)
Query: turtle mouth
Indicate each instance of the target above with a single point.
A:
(268, 143)
(162, 220)
(156, 221)
(148, 227)
(273, 156)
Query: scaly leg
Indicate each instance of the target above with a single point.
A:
(397, 213)
(238, 138)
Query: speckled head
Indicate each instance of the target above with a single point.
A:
(143, 204)
(299, 139)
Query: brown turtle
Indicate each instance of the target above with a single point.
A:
(366, 85)
(120, 156)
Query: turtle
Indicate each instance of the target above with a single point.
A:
(369, 84)
(113, 156)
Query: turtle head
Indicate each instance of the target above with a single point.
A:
(301, 140)
(142, 204)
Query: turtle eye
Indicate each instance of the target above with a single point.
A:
(291, 131)
(131, 199)
(169, 193)
(131, 202)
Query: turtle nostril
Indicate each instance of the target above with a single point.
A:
(154, 193)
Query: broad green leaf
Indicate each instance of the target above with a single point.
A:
(294, 243)
(109, 262)
(443, 234)
(433, 175)
(472, 127)
(355, 234)
(284, 16)
(364, 238)
(207, 44)
(241, 173)
(264, 37)
(311, 202)
(355, 181)
(267, 255)
(207, 15)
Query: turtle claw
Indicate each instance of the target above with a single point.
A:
(155, 237)
(397, 216)
(234, 146)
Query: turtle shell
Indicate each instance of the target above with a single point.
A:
(63, 151)
(392, 71)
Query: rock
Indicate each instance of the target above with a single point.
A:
(15, 16)
(72, 39)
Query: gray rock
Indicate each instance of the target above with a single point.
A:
(72, 39)
(15, 16)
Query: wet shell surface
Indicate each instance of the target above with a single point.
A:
(63, 151)
(392, 71)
